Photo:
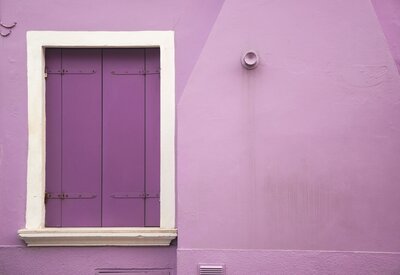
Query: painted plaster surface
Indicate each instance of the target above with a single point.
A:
(277, 167)
(191, 21)
(301, 153)
(81, 261)
(262, 262)
(388, 13)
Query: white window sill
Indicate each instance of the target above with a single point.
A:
(98, 236)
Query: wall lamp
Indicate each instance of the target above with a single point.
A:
(250, 60)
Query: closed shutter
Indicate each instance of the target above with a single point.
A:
(124, 140)
(103, 137)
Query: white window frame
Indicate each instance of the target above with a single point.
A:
(35, 233)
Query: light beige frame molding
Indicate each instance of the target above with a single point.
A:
(35, 233)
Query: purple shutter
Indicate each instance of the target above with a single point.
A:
(152, 137)
(103, 137)
(123, 137)
(81, 137)
(53, 137)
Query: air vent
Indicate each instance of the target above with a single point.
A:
(211, 269)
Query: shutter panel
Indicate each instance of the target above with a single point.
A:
(81, 137)
(103, 137)
(123, 137)
(152, 137)
(53, 137)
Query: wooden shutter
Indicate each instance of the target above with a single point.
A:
(103, 137)
(73, 137)
(123, 137)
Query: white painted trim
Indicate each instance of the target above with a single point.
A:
(100, 236)
(37, 41)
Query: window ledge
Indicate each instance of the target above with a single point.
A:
(98, 236)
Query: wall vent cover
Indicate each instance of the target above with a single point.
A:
(211, 269)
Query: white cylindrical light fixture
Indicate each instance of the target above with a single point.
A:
(250, 60)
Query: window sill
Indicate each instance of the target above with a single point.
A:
(98, 236)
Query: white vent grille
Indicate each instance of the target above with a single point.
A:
(211, 269)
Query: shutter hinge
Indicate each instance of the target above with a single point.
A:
(64, 196)
(65, 71)
(135, 72)
(134, 195)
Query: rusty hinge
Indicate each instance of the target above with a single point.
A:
(128, 195)
(134, 195)
(63, 196)
(47, 71)
(152, 195)
(139, 72)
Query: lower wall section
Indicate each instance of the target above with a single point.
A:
(83, 260)
(260, 262)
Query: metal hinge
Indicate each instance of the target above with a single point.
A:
(140, 72)
(66, 71)
(134, 195)
(63, 196)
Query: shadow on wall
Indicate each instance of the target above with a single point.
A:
(388, 13)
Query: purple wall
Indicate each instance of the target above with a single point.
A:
(388, 13)
(301, 154)
(191, 21)
(80, 260)
(315, 262)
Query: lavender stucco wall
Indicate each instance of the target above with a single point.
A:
(302, 153)
(388, 12)
(292, 168)
(262, 262)
(82, 261)
(191, 21)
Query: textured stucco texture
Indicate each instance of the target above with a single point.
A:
(191, 21)
(302, 153)
(290, 168)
